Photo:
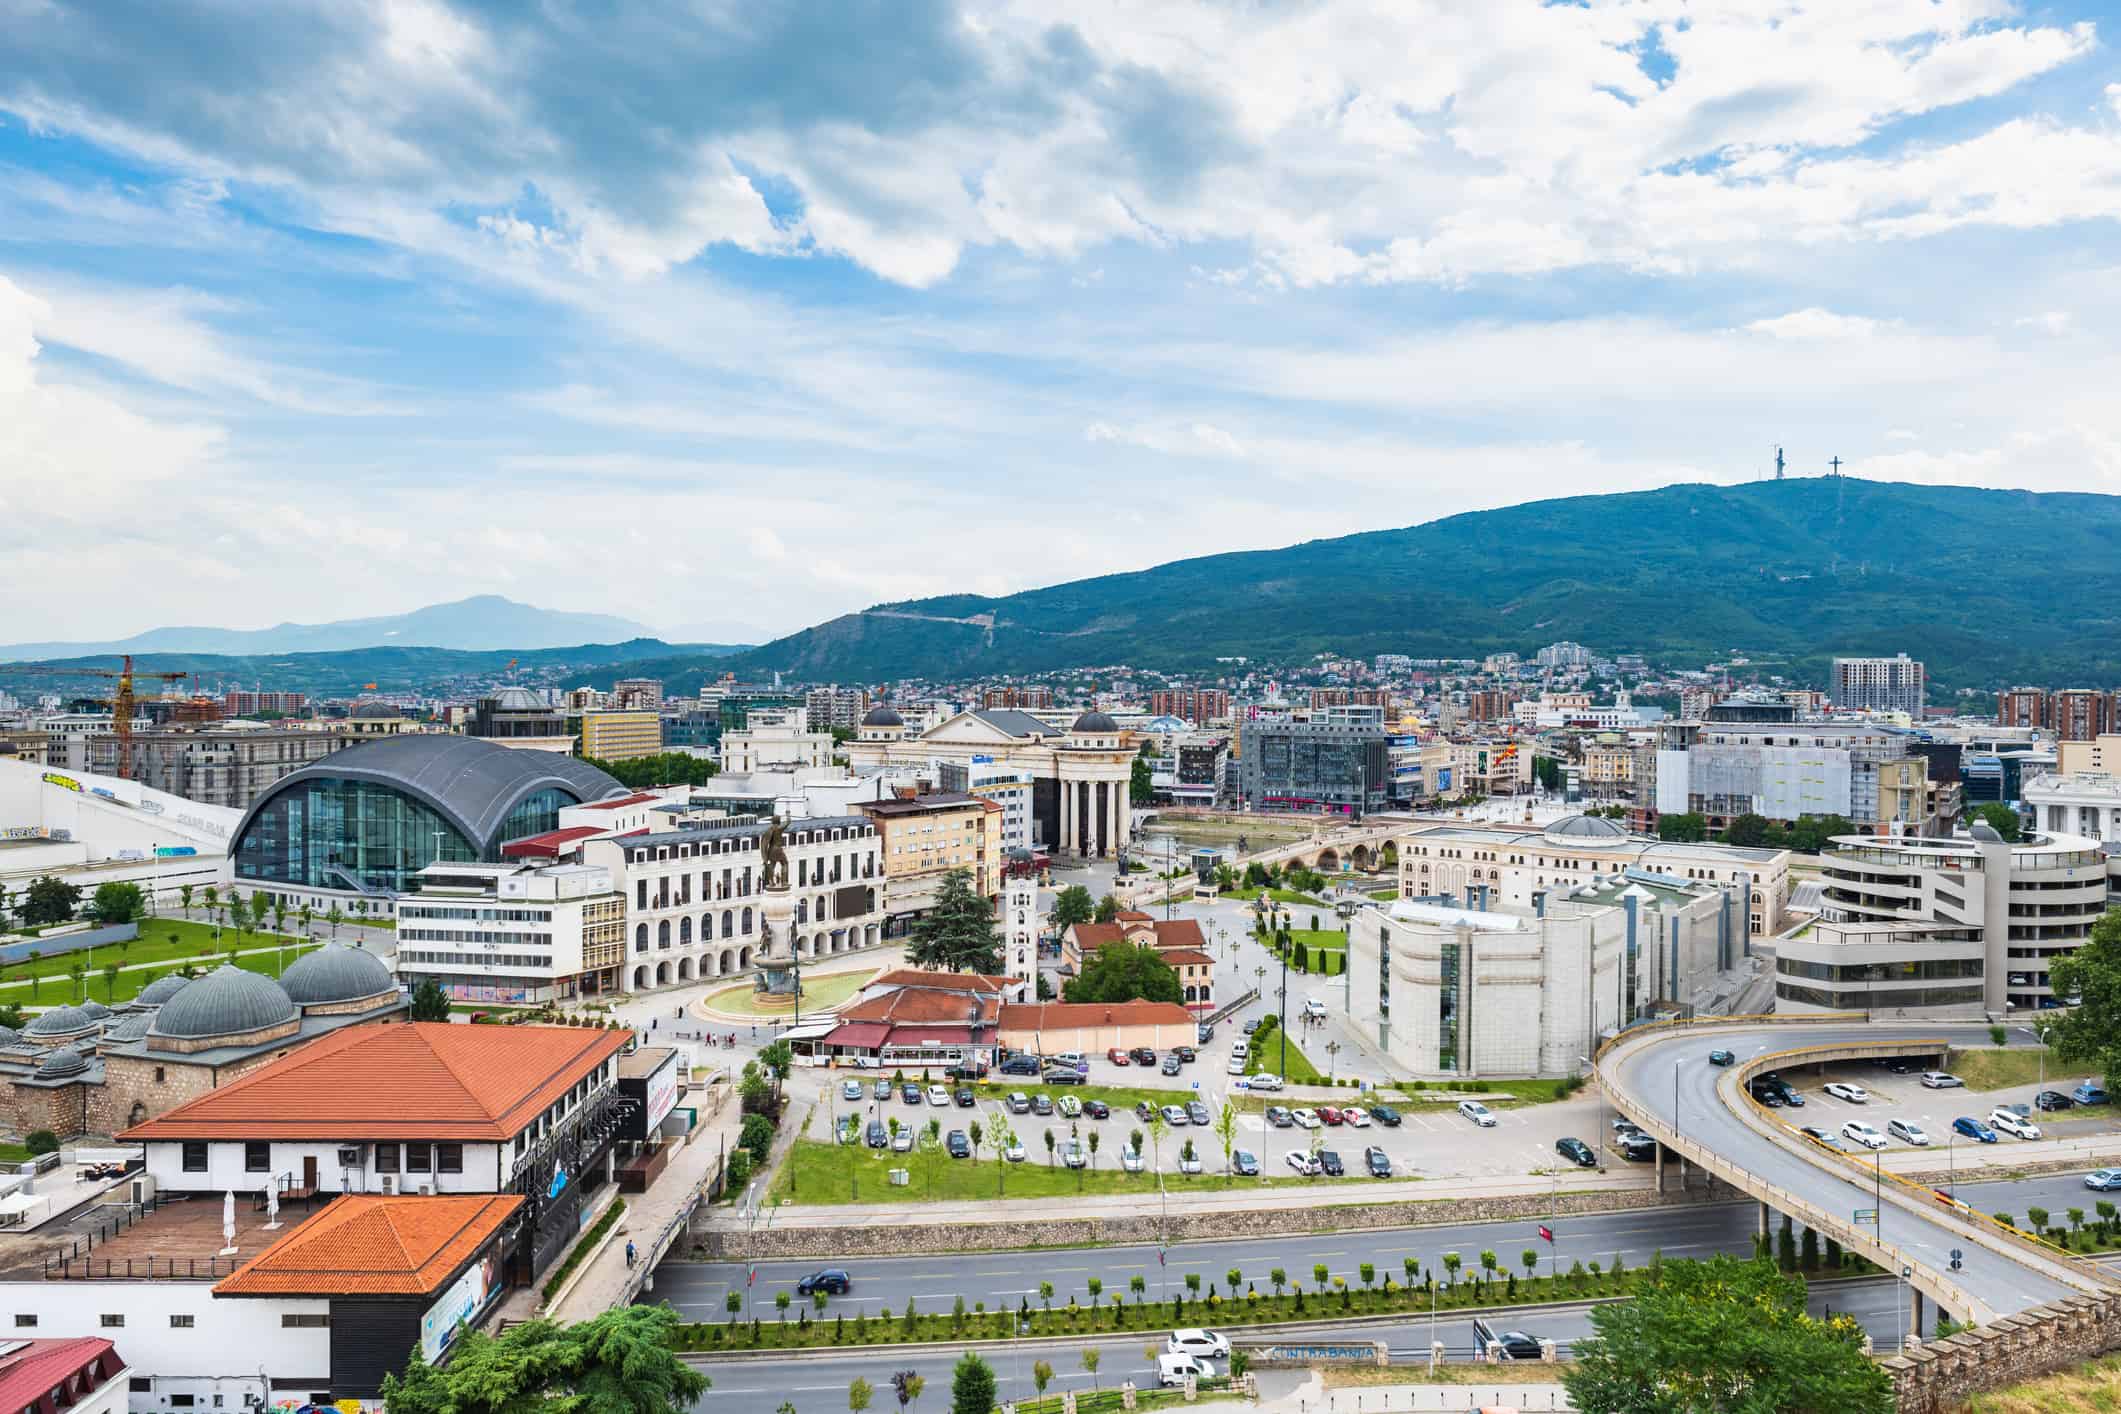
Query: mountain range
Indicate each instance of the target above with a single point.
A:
(1985, 586)
(482, 622)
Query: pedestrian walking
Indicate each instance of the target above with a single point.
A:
(629, 1254)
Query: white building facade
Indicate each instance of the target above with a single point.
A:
(512, 933)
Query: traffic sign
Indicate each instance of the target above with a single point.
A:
(1867, 1215)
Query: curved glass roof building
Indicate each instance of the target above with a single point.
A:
(371, 816)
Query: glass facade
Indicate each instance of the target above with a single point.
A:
(335, 833)
(1447, 1009)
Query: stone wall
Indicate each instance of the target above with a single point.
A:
(714, 1243)
(1942, 1375)
(62, 1109)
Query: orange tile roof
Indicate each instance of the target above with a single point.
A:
(1186, 957)
(369, 1245)
(416, 1080)
(918, 1004)
(1059, 1016)
(945, 981)
(1089, 937)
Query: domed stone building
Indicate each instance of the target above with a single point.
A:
(76, 1073)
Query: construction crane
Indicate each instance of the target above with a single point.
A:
(122, 701)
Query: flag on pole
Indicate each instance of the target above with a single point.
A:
(752, 1275)
(1159, 1255)
(1546, 1233)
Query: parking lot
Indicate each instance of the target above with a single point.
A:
(1904, 1097)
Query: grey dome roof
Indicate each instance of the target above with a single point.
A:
(9, 1035)
(471, 782)
(95, 1009)
(225, 1002)
(375, 712)
(1094, 721)
(127, 1028)
(1587, 830)
(882, 716)
(161, 989)
(59, 1021)
(60, 1064)
(517, 699)
(335, 973)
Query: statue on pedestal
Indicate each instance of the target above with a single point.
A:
(773, 857)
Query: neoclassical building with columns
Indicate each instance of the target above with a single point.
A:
(1080, 776)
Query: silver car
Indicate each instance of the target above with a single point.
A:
(1907, 1132)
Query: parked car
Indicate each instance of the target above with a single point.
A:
(1065, 1075)
(910, 1093)
(1244, 1163)
(1900, 1065)
(1175, 1115)
(1637, 1146)
(1329, 1164)
(937, 1095)
(1973, 1129)
(1015, 1065)
(2104, 1180)
(1863, 1134)
(1197, 1113)
(1251, 1025)
(959, 1144)
(1329, 1115)
(1823, 1136)
(1236, 1066)
(877, 1136)
(1265, 1080)
(902, 1142)
(2089, 1094)
(1385, 1115)
(1186, 1055)
(1068, 1107)
(1377, 1161)
(1302, 1162)
(965, 1098)
(1203, 1034)
(1019, 1103)
(1200, 1344)
(1117, 1056)
(1188, 1163)
(1015, 1152)
(1941, 1080)
(1722, 1058)
(851, 1090)
(1042, 1103)
(1145, 1110)
(1576, 1152)
(1073, 1060)
(967, 1070)
(1478, 1113)
(1908, 1132)
(1130, 1160)
(1842, 1090)
(2053, 1100)
(1097, 1109)
(1073, 1154)
(1279, 1117)
(1624, 1126)
(833, 1281)
(1305, 1117)
(883, 1089)
(1170, 1064)
(850, 1129)
(2016, 1125)
(1143, 1055)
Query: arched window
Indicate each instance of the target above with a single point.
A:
(662, 934)
(727, 919)
(640, 937)
(684, 932)
(747, 920)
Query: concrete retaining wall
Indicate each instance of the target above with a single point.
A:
(713, 1243)
(1942, 1375)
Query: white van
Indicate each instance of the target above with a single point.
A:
(1171, 1370)
(1314, 1008)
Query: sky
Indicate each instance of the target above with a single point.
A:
(730, 317)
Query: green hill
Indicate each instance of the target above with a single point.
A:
(1985, 586)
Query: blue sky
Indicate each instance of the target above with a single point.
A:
(731, 317)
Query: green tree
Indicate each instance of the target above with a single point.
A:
(778, 1057)
(429, 1001)
(859, 1393)
(118, 903)
(1091, 1358)
(1041, 1376)
(667, 768)
(184, 898)
(1125, 972)
(1722, 1335)
(1107, 909)
(1141, 789)
(110, 982)
(334, 916)
(1689, 827)
(2089, 1033)
(1748, 830)
(1998, 817)
(621, 1361)
(1071, 906)
(1226, 1132)
(48, 900)
(957, 934)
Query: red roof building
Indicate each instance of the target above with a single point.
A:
(364, 1245)
(79, 1375)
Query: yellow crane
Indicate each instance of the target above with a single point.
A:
(121, 699)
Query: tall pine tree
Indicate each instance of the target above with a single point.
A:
(957, 934)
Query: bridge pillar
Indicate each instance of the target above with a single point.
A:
(1914, 1330)
(1660, 1168)
(1763, 1220)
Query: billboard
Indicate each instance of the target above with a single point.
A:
(662, 1092)
(53, 778)
(466, 1298)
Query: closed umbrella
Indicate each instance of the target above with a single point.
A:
(228, 1221)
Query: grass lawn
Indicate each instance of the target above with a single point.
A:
(1288, 896)
(1987, 1068)
(160, 940)
(14, 1154)
(56, 992)
(1331, 939)
(823, 1174)
(818, 993)
(1266, 1059)
(1386, 895)
(2094, 1386)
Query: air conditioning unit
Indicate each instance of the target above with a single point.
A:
(352, 1156)
(427, 1190)
(390, 1185)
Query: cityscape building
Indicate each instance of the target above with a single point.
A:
(1895, 684)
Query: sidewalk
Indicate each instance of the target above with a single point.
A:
(1311, 1397)
(1005, 1210)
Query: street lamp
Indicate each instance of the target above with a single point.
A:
(1332, 1059)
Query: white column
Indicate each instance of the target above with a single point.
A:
(1067, 814)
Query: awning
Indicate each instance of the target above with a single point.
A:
(807, 1031)
(936, 1035)
(859, 1035)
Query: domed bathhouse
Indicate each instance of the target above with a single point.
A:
(182, 1037)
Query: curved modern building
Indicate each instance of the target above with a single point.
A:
(361, 822)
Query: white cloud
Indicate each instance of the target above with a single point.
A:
(2053, 321)
(1815, 324)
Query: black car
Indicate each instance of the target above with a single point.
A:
(1385, 1115)
(1097, 1109)
(1576, 1152)
(1065, 1076)
(1378, 1162)
(1144, 1111)
(1198, 1113)
(2053, 1100)
(1516, 1345)
(963, 1097)
(1329, 1163)
(1637, 1147)
(1142, 1055)
(910, 1093)
(1186, 1054)
(1170, 1064)
(1042, 1104)
(832, 1281)
(1203, 1034)
(1251, 1025)
(959, 1144)
(1020, 1065)
(1899, 1066)
(1722, 1058)
(878, 1136)
(975, 1070)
